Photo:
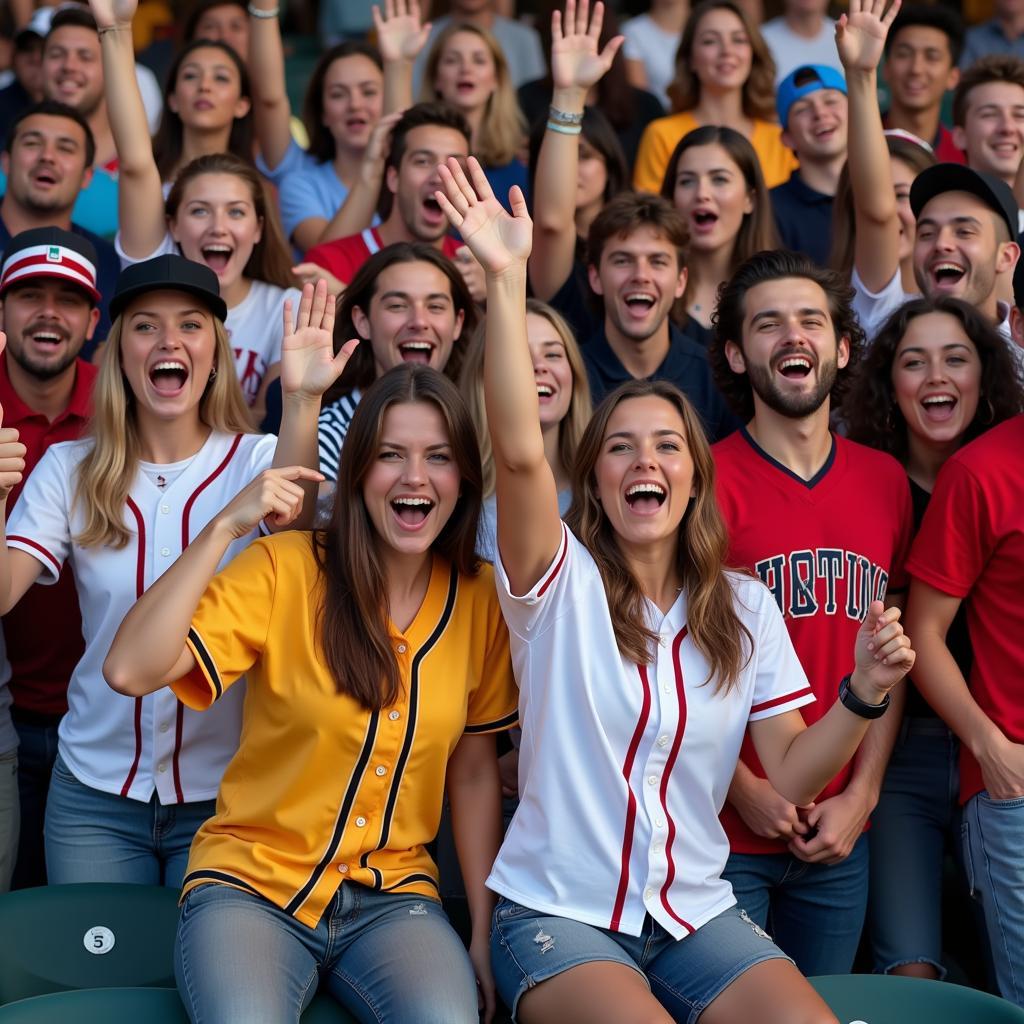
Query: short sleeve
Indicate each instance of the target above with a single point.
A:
(493, 702)
(295, 159)
(40, 523)
(300, 198)
(780, 684)
(166, 248)
(956, 535)
(874, 308)
(651, 158)
(261, 454)
(229, 629)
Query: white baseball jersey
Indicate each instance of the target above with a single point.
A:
(117, 744)
(624, 768)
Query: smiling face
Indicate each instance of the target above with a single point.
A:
(47, 321)
(722, 56)
(789, 352)
(353, 98)
(712, 194)
(466, 74)
(919, 68)
(226, 23)
(992, 134)
(72, 68)
(644, 475)
(936, 378)
(816, 127)
(413, 484)
(208, 91)
(551, 370)
(411, 317)
(167, 352)
(46, 166)
(216, 224)
(639, 278)
(956, 251)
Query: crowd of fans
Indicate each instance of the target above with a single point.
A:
(598, 444)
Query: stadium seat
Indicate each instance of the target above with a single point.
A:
(99, 935)
(886, 999)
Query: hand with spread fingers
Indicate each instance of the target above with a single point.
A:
(401, 33)
(576, 60)
(309, 365)
(500, 241)
(860, 33)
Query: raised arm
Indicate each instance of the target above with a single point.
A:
(529, 528)
(271, 109)
(860, 39)
(401, 35)
(576, 65)
(140, 197)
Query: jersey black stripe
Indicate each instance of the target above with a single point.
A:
(502, 723)
(220, 876)
(208, 663)
(409, 879)
(339, 826)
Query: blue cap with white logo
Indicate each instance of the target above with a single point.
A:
(812, 77)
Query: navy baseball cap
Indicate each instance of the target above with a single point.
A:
(993, 192)
(171, 273)
(813, 77)
(50, 252)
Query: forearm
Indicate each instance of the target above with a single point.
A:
(357, 212)
(397, 85)
(872, 757)
(150, 642)
(271, 109)
(742, 785)
(297, 445)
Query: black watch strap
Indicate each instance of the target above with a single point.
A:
(853, 703)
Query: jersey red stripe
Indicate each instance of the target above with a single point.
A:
(776, 701)
(627, 771)
(558, 565)
(140, 586)
(187, 511)
(50, 557)
(677, 742)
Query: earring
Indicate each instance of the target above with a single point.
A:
(213, 375)
(991, 411)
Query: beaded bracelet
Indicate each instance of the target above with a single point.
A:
(564, 129)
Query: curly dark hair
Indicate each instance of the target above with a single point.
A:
(727, 320)
(870, 409)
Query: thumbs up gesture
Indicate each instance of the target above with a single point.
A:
(882, 652)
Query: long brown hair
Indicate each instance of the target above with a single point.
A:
(717, 631)
(269, 260)
(758, 89)
(353, 614)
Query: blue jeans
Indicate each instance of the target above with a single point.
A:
(383, 956)
(917, 818)
(37, 750)
(993, 837)
(815, 912)
(92, 836)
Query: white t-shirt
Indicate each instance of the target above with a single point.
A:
(624, 768)
(648, 42)
(255, 325)
(792, 51)
(116, 744)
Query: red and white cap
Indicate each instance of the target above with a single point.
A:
(50, 252)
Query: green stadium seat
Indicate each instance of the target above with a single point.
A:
(101, 935)
(888, 999)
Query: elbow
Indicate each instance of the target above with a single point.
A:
(120, 680)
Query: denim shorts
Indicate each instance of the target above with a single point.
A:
(685, 975)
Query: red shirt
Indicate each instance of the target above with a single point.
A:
(344, 256)
(825, 548)
(44, 629)
(971, 545)
(945, 149)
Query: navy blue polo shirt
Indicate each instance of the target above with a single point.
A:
(685, 365)
(804, 218)
(108, 267)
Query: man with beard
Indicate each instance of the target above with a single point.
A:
(825, 523)
(48, 158)
(48, 309)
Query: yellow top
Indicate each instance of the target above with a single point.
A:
(322, 790)
(662, 136)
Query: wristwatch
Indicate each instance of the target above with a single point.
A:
(853, 703)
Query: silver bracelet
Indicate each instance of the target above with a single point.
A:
(564, 129)
(258, 12)
(563, 116)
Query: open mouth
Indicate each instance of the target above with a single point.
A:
(939, 408)
(947, 274)
(645, 498)
(545, 392)
(47, 339)
(356, 124)
(639, 302)
(416, 351)
(704, 219)
(44, 178)
(794, 367)
(432, 209)
(168, 377)
(412, 512)
(217, 257)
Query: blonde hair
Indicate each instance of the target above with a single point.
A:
(577, 416)
(503, 126)
(106, 473)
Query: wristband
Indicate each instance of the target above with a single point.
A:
(258, 12)
(564, 129)
(563, 116)
(113, 28)
(853, 703)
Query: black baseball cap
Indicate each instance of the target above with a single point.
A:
(50, 252)
(940, 178)
(168, 273)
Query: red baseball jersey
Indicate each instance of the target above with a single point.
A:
(971, 545)
(825, 548)
(344, 256)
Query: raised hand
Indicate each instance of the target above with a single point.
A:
(275, 495)
(576, 61)
(860, 34)
(109, 13)
(497, 240)
(309, 365)
(401, 34)
(882, 651)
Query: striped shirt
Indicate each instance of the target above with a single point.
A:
(333, 426)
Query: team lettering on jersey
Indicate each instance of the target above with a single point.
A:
(832, 580)
(250, 367)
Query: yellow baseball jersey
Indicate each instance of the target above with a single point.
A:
(322, 790)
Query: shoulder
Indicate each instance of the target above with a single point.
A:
(751, 598)
(992, 449)
(766, 133)
(68, 453)
(672, 124)
(880, 464)
(340, 411)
